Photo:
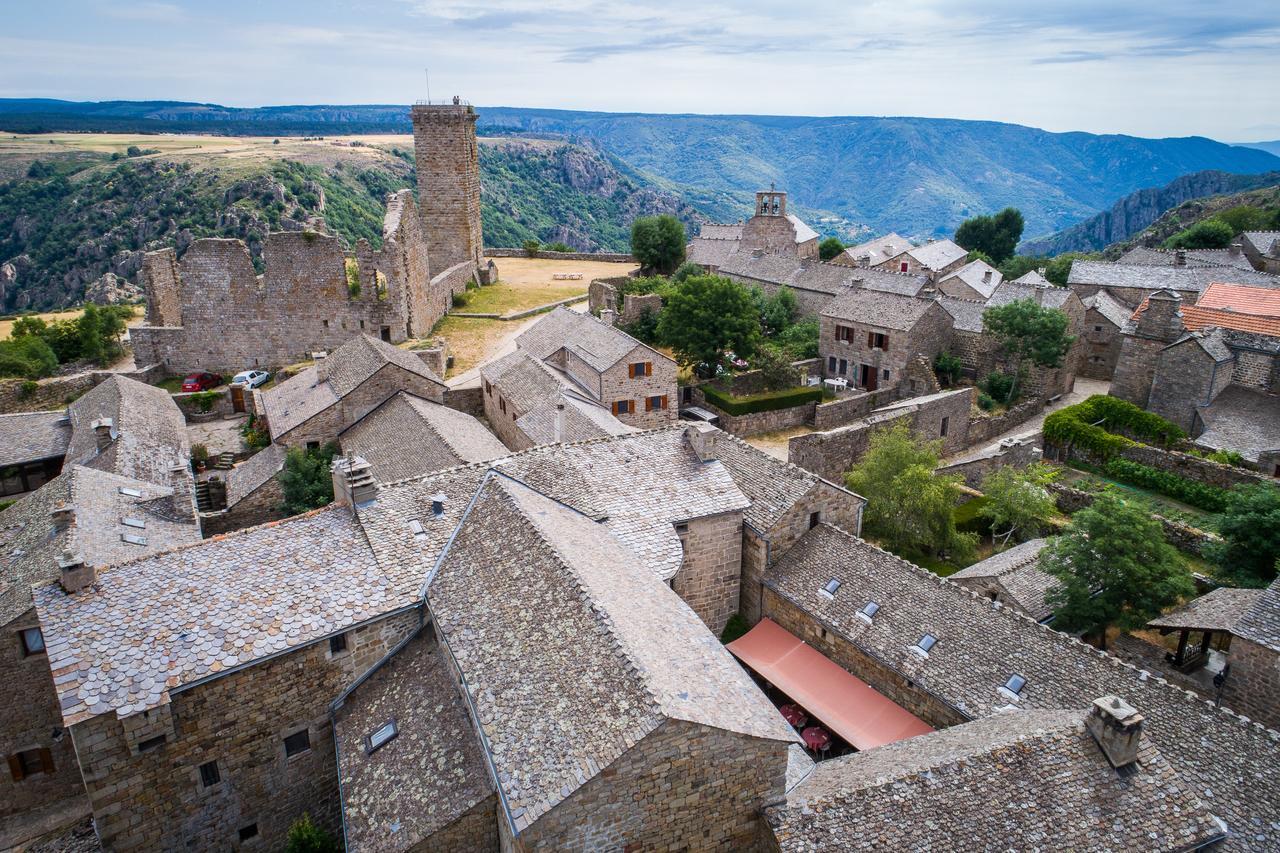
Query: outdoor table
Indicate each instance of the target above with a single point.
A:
(816, 738)
(793, 715)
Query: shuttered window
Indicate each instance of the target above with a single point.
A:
(30, 762)
(640, 368)
(656, 402)
(623, 407)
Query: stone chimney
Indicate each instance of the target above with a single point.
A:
(608, 316)
(1162, 318)
(74, 573)
(184, 496)
(62, 516)
(353, 483)
(104, 433)
(986, 277)
(1236, 249)
(704, 439)
(1117, 727)
(1180, 258)
(929, 291)
(559, 436)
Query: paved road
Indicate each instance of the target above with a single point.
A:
(1083, 389)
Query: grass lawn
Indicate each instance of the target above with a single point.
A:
(1155, 502)
(173, 384)
(502, 298)
(471, 341)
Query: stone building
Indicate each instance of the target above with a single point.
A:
(873, 252)
(813, 283)
(251, 494)
(1104, 320)
(771, 230)
(313, 407)
(975, 280)
(32, 447)
(1013, 578)
(936, 259)
(212, 311)
(636, 382)
(1262, 249)
(868, 337)
(1131, 283)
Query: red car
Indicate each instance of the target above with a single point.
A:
(201, 382)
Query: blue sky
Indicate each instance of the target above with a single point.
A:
(1168, 68)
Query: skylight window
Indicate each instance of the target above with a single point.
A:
(133, 538)
(415, 527)
(133, 522)
(381, 736)
(868, 611)
(437, 504)
(128, 492)
(831, 588)
(1012, 689)
(924, 644)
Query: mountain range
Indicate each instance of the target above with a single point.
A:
(849, 175)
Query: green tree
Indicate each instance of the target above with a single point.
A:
(1019, 504)
(1211, 233)
(777, 312)
(1244, 217)
(685, 270)
(99, 330)
(306, 479)
(1028, 332)
(776, 369)
(1250, 530)
(704, 317)
(996, 236)
(910, 510)
(829, 248)
(800, 339)
(28, 357)
(948, 368)
(657, 242)
(305, 837)
(1114, 568)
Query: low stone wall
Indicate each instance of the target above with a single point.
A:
(837, 413)
(221, 407)
(1184, 537)
(829, 454)
(634, 306)
(1192, 467)
(757, 423)
(1014, 452)
(435, 357)
(469, 400)
(985, 429)
(608, 257)
(55, 392)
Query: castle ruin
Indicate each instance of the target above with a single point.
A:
(210, 310)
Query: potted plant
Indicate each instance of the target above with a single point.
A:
(199, 457)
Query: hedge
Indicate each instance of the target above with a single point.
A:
(766, 402)
(1193, 492)
(1075, 425)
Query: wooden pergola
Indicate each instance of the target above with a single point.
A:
(1214, 613)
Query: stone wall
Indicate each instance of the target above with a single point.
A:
(476, 831)
(758, 423)
(373, 392)
(986, 428)
(1253, 687)
(261, 505)
(154, 800)
(848, 409)
(1011, 453)
(1101, 346)
(616, 384)
(469, 400)
(501, 415)
(221, 406)
(708, 579)
(682, 787)
(1184, 537)
(605, 257)
(56, 392)
(1185, 376)
(897, 686)
(448, 169)
(1193, 467)
(33, 721)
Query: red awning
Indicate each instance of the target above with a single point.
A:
(843, 703)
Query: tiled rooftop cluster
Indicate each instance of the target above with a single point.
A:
(1183, 279)
(1017, 569)
(536, 390)
(30, 436)
(148, 431)
(1217, 610)
(595, 342)
(805, 274)
(1230, 763)
(878, 308)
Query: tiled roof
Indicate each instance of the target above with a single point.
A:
(32, 436)
(1195, 317)
(1261, 622)
(802, 231)
(523, 379)
(244, 479)
(1104, 303)
(975, 276)
(800, 273)
(772, 486)
(162, 622)
(571, 651)
(425, 778)
(1220, 257)
(1143, 256)
(710, 252)
(1257, 301)
(1049, 297)
(1263, 242)
(1018, 570)
(1184, 279)
(719, 231)
(407, 436)
(30, 544)
(149, 430)
(297, 400)
(877, 308)
(1218, 610)
(937, 254)
(1242, 420)
(966, 314)
(1211, 340)
(879, 250)
(890, 282)
(1028, 780)
(597, 343)
(1031, 278)
(1233, 765)
(582, 419)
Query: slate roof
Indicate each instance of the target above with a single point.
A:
(1104, 303)
(1031, 278)
(523, 379)
(407, 436)
(1261, 622)
(430, 774)
(1144, 256)
(534, 389)
(161, 622)
(772, 486)
(1242, 420)
(1218, 610)
(801, 229)
(1183, 279)
(966, 314)
(597, 343)
(720, 231)
(1018, 571)
(571, 652)
(30, 545)
(1049, 297)
(877, 308)
(799, 273)
(879, 250)
(974, 276)
(150, 432)
(1211, 341)
(890, 282)
(937, 254)
(1220, 257)
(1031, 780)
(1232, 765)
(710, 252)
(297, 400)
(247, 477)
(1263, 242)
(32, 436)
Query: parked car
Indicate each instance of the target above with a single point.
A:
(201, 382)
(252, 378)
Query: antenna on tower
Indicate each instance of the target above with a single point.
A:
(427, 71)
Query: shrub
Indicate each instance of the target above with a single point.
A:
(829, 248)
(643, 328)
(800, 339)
(1092, 425)
(999, 386)
(767, 402)
(205, 400)
(985, 402)
(1193, 492)
(947, 367)
(531, 247)
(28, 389)
(558, 247)
(776, 371)
(685, 270)
(1227, 457)
(460, 300)
(305, 479)
(305, 837)
(254, 436)
(199, 452)
(28, 357)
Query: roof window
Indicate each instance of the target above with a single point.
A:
(133, 522)
(868, 611)
(1012, 689)
(133, 539)
(924, 644)
(437, 504)
(831, 588)
(415, 527)
(381, 736)
(128, 492)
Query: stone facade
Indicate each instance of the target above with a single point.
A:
(373, 392)
(1186, 375)
(848, 409)
(652, 395)
(32, 726)
(1101, 346)
(261, 505)
(155, 799)
(709, 576)
(1159, 325)
(849, 351)
(771, 230)
(444, 141)
(1253, 687)
(683, 787)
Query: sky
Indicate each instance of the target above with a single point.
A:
(1148, 68)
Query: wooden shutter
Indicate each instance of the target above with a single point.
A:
(664, 401)
(648, 368)
(614, 404)
(15, 767)
(46, 760)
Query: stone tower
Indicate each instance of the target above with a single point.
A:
(444, 142)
